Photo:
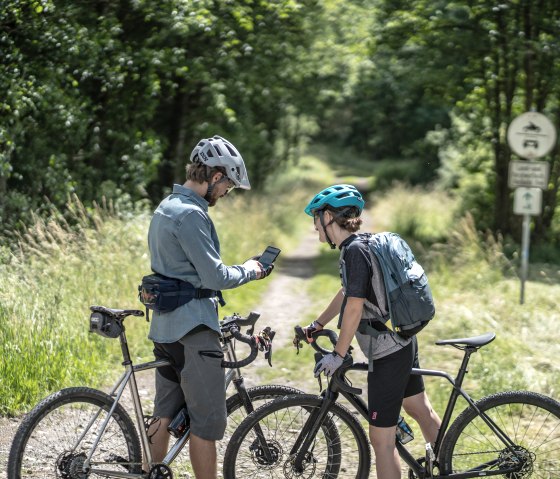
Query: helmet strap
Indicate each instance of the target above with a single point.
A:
(211, 186)
(322, 221)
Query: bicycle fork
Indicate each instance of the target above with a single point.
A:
(303, 444)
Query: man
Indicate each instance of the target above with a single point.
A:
(184, 245)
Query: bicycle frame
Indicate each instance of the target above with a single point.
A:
(129, 378)
(352, 395)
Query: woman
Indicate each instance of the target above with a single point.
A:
(336, 212)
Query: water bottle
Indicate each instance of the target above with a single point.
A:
(404, 433)
(180, 423)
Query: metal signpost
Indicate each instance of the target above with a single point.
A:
(530, 136)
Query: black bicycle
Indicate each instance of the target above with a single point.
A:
(513, 434)
(80, 433)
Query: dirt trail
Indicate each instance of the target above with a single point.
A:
(285, 305)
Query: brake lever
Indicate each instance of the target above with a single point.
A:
(264, 342)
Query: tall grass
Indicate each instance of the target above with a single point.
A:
(97, 256)
(476, 290)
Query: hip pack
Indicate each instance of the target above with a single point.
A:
(163, 294)
(409, 297)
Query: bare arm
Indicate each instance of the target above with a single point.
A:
(332, 310)
(350, 322)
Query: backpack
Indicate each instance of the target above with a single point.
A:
(409, 297)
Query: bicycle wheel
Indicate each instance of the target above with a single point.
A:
(258, 395)
(340, 448)
(530, 420)
(55, 438)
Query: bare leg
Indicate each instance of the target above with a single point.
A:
(420, 409)
(203, 457)
(159, 440)
(387, 461)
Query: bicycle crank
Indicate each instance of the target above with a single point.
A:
(160, 471)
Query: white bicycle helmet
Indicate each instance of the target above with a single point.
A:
(217, 151)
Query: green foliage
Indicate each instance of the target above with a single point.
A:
(424, 215)
(66, 263)
(106, 98)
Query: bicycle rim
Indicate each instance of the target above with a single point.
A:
(339, 450)
(258, 395)
(530, 420)
(48, 444)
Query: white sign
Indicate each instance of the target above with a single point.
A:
(531, 135)
(527, 201)
(532, 174)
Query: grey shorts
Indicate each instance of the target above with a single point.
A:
(196, 378)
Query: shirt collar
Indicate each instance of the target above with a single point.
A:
(191, 194)
(348, 240)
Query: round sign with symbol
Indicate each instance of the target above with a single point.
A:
(531, 135)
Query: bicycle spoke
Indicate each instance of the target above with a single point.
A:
(335, 452)
(530, 421)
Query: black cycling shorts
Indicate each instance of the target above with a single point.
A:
(390, 382)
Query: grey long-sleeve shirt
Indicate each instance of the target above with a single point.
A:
(184, 244)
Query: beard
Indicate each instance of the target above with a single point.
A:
(214, 197)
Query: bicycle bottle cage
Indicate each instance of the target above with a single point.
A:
(105, 325)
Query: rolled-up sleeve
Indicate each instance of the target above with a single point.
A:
(194, 234)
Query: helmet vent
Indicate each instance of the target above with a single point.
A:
(231, 151)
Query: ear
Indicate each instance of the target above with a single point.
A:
(327, 216)
(216, 177)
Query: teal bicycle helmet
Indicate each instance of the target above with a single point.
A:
(336, 196)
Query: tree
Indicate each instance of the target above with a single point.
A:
(498, 60)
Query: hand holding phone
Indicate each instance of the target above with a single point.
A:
(269, 256)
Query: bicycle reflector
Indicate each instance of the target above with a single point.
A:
(105, 325)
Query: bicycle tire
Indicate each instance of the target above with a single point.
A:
(340, 448)
(530, 420)
(236, 413)
(44, 445)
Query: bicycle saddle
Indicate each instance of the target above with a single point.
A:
(117, 313)
(474, 341)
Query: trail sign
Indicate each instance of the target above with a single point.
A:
(527, 201)
(531, 135)
(531, 174)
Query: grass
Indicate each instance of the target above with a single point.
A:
(476, 290)
(57, 271)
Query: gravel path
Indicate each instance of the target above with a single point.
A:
(283, 307)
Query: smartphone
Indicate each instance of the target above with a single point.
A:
(269, 256)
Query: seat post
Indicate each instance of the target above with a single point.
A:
(124, 348)
(463, 370)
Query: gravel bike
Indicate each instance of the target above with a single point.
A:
(512, 434)
(80, 433)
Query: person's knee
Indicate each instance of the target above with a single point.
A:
(382, 439)
(417, 406)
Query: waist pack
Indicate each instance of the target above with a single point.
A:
(163, 294)
(409, 297)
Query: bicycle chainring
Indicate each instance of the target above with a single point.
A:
(69, 465)
(160, 471)
(519, 457)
